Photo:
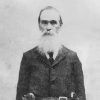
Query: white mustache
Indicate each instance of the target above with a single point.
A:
(48, 33)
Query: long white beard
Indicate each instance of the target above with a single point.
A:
(49, 43)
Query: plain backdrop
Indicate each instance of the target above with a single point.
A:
(19, 32)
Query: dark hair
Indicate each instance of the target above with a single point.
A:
(47, 8)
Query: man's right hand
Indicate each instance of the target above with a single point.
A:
(28, 96)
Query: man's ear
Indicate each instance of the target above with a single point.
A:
(59, 27)
(60, 21)
(40, 28)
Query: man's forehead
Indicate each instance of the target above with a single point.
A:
(50, 15)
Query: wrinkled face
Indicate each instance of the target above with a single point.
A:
(49, 22)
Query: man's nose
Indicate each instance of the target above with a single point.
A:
(48, 29)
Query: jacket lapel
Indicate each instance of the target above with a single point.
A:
(42, 58)
(61, 55)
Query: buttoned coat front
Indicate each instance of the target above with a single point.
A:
(39, 77)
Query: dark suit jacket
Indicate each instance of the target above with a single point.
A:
(38, 76)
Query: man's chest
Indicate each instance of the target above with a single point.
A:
(42, 70)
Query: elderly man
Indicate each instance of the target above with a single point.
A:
(50, 70)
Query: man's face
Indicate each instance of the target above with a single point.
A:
(49, 22)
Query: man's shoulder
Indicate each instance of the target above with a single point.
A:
(31, 52)
(70, 54)
(68, 51)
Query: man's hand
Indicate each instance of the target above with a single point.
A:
(28, 96)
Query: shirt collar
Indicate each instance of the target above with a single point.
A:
(55, 53)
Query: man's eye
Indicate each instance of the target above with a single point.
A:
(44, 22)
(53, 22)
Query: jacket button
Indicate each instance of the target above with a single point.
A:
(52, 82)
(53, 75)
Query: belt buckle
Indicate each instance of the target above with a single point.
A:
(63, 98)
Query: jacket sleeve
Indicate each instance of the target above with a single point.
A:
(79, 79)
(23, 81)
